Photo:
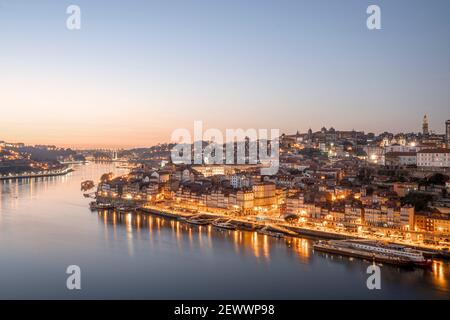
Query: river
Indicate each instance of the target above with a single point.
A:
(46, 225)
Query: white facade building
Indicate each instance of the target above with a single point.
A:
(239, 181)
(400, 158)
(433, 158)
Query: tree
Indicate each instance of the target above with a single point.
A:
(418, 200)
(106, 177)
(438, 179)
(369, 190)
(291, 218)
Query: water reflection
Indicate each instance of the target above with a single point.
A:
(301, 247)
(46, 222)
(440, 270)
(244, 242)
(259, 246)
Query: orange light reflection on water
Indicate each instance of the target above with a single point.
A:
(244, 242)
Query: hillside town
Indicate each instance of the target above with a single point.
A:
(391, 186)
(20, 161)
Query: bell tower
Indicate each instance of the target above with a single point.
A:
(447, 133)
(425, 126)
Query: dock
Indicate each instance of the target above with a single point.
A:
(273, 229)
(385, 255)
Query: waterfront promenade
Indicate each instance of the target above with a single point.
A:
(49, 173)
(295, 230)
(278, 224)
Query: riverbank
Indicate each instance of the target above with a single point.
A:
(241, 223)
(244, 223)
(138, 255)
(37, 175)
(289, 230)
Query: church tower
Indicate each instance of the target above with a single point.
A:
(425, 126)
(447, 133)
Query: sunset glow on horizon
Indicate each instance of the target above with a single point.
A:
(129, 78)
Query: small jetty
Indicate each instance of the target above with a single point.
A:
(124, 208)
(89, 195)
(94, 205)
(223, 224)
(245, 226)
(200, 220)
(163, 213)
(279, 230)
(267, 231)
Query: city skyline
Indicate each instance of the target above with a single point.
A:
(225, 157)
(129, 78)
(441, 132)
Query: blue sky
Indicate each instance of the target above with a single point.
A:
(137, 70)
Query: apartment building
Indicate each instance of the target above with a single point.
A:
(264, 194)
(434, 158)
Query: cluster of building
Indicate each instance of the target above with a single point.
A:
(16, 160)
(423, 150)
(345, 180)
(14, 145)
(231, 187)
(381, 210)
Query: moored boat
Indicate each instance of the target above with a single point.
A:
(125, 209)
(223, 225)
(200, 222)
(271, 233)
(375, 251)
(100, 206)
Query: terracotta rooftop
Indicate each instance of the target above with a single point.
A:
(439, 150)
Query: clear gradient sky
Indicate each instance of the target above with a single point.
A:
(137, 70)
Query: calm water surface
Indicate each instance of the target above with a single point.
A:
(45, 225)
